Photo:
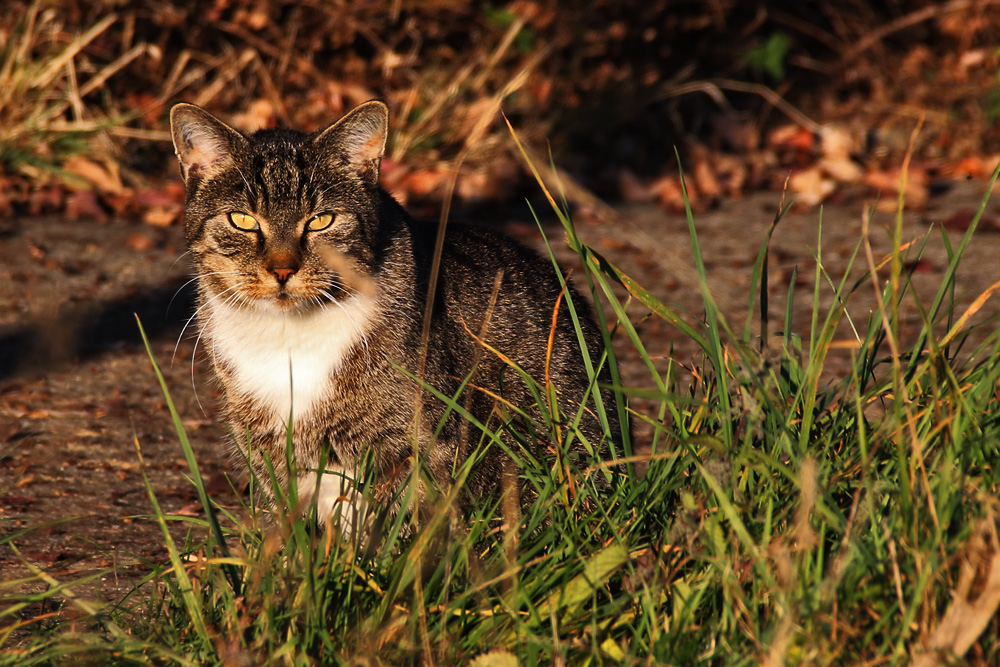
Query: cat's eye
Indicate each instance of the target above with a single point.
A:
(318, 223)
(243, 221)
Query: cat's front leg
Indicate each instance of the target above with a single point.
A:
(334, 492)
(331, 488)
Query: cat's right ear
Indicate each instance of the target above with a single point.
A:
(203, 143)
(358, 138)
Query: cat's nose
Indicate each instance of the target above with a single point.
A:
(283, 266)
(283, 274)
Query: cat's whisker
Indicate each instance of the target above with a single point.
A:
(201, 330)
(180, 336)
(179, 258)
(363, 340)
(250, 189)
(194, 387)
(199, 277)
(203, 327)
(337, 284)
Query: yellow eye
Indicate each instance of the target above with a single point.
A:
(318, 223)
(247, 223)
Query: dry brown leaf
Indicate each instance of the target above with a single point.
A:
(975, 600)
(791, 137)
(704, 178)
(425, 182)
(260, 113)
(85, 205)
(137, 242)
(668, 193)
(103, 177)
(189, 510)
(887, 184)
(162, 216)
(732, 173)
(810, 186)
(842, 170)
(836, 143)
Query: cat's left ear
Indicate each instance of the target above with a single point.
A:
(359, 137)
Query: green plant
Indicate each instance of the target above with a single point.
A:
(770, 57)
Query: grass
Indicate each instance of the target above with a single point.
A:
(785, 518)
(44, 76)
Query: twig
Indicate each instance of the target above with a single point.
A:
(908, 20)
(50, 72)
(227, 75)
(774, 99)
(714, 90)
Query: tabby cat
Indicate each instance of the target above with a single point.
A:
(312, 286)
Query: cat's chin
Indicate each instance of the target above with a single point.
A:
(283, 304)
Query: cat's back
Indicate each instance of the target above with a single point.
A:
(473, 255)
(489, 281)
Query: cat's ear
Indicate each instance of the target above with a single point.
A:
(203, 143)
(360, 138)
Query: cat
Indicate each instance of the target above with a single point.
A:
(312, 284)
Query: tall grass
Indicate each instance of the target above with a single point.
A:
(786, 517)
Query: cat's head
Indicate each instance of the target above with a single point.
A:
(279, 219)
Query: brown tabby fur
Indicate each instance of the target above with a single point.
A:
(277, 290)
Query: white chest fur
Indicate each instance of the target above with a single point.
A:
(285, 361)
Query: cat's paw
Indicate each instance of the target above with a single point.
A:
(339, 504)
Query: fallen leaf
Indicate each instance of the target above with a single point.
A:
(16, 501)
(260, 113)
(959, 220)
(971, 166)
(84, 204)
(162, 216)
(791, 138)
(887, 184)
(169, 194)
(836, 143)
(668, 193)
(810, 186)
(425, 182)
(9, 428)
(922, 266)
(704, 178)
(190, 510)
(139, 242)
(103, 177)
(842, 169)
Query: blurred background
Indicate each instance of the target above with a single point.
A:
(823, 94)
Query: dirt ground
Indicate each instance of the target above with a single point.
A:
(78, 394)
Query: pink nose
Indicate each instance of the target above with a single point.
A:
(283, 273)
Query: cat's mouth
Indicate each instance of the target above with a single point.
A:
(281, 299)
(285, 300)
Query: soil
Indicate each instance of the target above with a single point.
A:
(79, 400)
